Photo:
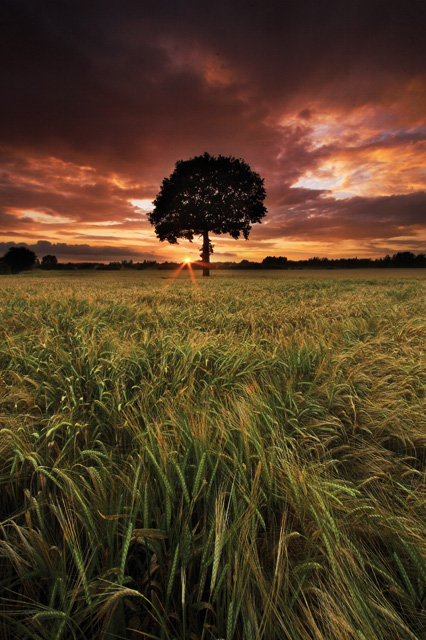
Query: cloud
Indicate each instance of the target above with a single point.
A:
(81, 252)
(325, 100)
(225, 254)
(128, 84)
(350, 219)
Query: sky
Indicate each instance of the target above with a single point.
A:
(326, 100)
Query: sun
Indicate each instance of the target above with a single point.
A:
(187, 260)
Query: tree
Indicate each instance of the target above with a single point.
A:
(272, 262)
(208, 194)
(403, 259)
(49, 262)
(19, 259)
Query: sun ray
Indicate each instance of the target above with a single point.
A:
(176, 272)
(200, 263)
(174, 275)
(192, 274)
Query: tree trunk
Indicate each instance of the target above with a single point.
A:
(205, 256)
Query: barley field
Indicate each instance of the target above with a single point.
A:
(238, 457)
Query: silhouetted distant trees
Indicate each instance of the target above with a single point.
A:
(17, 259)
(272, 262)
(403, 259)
(48, 262)
(244, 264)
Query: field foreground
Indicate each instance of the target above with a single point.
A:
(237, 457)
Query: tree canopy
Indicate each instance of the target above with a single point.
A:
(49, 262)
(208, 194)
(19, 259)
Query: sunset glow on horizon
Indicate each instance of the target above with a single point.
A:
(327, 106)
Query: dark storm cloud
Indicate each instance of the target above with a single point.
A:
(127, 81)
(350, 218)
(84, 81)
(78, 252)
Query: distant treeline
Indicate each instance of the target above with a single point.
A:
(401, 259)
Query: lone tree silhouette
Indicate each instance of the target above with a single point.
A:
(208, 194)
(19, 259)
